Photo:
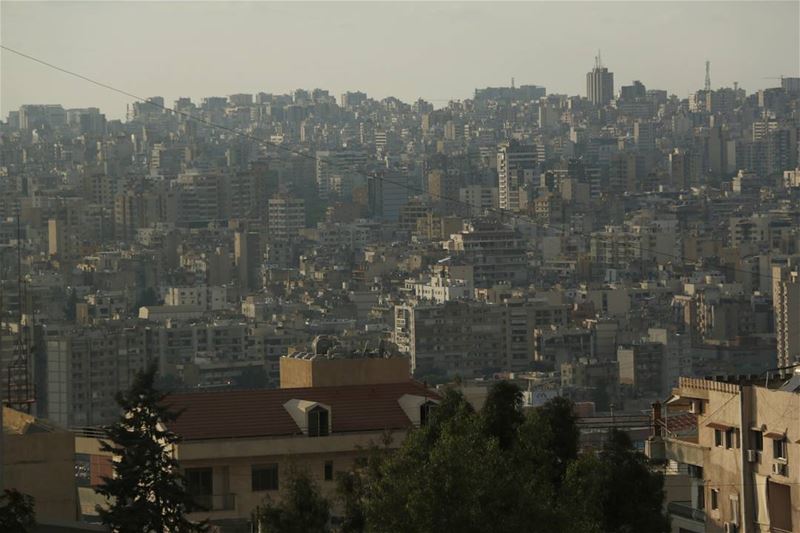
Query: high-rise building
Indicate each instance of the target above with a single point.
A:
(339, 170)
(786, 301)
(247, 257)
(599, 84)
(286, 216)
(516, 167)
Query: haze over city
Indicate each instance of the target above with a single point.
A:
(436, 51)
(400, 267)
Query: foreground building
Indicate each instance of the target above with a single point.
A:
(733, 454)
(238, 447)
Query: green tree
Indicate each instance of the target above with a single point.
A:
(16, 512)
(499, 470)
(502, 413)
(615, 491)
(301, 510)
(147, 492)
(558, 416)
(438, 479)
(252, 377)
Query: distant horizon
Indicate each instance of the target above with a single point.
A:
(434, 51)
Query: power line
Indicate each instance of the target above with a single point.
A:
(249, 136)
(502, 212)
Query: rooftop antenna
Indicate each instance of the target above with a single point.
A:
(708, 75)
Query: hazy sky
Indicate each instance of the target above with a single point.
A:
(437, 51)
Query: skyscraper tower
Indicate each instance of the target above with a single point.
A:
(599, 84)
(708, 75)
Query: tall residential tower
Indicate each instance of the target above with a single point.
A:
(599, 84)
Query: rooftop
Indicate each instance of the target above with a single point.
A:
(261, 413)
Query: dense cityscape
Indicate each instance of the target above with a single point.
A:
(339, 266)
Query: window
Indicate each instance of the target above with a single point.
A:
(318, 422)
(735, 509)
(779, 448)
(714, 499)
(328, 473)
(729, 436)
(717, 437)
(264, 477)
(199, 485)
(757, 439)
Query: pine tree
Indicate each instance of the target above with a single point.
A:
(147, 493)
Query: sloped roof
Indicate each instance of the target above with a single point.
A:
(261, 413)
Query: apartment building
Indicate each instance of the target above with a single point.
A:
(496, 252)
(286, 216)
(732, 454)
(238, 447)
(86, 367)
(458, 337)
(469, 338)
(516, 166)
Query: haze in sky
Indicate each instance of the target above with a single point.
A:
(437, 51)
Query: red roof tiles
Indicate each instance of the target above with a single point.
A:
(260, 413)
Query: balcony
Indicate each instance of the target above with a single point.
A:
(684, 450)
(216, 502)
(686, 511)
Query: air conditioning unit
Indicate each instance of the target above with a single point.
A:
(779, 469)
(730, 527)
(752, 456)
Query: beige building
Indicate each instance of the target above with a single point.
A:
(238, 447)
(38, 459)
(732, 450)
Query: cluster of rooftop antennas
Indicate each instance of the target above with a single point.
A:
(331, 347)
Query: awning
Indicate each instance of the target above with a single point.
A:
(719, 425)
(678, 400)
(775, 435)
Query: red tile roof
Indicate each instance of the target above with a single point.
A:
(260, 413)
(681, 422)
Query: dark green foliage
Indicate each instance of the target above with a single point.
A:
(502, 470)
(16, 512)
(616, 492)
(301, 510)
(252, 377)
(563, 434)
(502, 413)
(147, 491)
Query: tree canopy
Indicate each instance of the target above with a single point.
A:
(301, 510)
(503, 469)
(16, 512)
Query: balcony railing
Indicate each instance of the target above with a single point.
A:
(685, 510)
(216, 502)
